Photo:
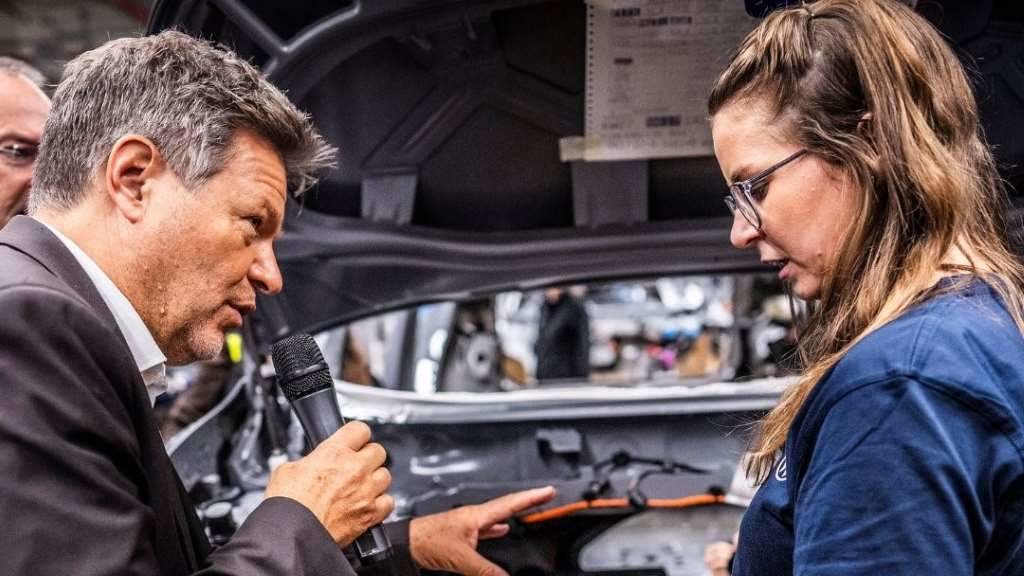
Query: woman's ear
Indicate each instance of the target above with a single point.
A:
(865, 122)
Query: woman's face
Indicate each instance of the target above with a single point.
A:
(805, 205)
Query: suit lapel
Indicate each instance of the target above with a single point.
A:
(170, 501)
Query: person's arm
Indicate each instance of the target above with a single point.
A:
(280, 537)
(73, 492)
(896, 485)
(401, 562)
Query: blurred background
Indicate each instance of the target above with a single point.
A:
(48, 33)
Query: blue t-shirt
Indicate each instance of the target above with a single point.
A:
(908, 458)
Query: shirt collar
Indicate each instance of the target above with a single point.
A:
(149, 360)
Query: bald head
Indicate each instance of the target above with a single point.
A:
(23, 110)
(17, 67)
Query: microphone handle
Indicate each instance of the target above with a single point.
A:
(320, 418)
(319, 415)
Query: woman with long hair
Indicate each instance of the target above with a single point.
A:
(849, 136)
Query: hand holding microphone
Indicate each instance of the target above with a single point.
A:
(342, 481)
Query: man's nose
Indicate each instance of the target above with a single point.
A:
(743, 234)
(264, 272)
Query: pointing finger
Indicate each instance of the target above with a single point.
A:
(511, 504)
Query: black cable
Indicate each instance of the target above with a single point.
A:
(622, 459)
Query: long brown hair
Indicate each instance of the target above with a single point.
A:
(870, 87)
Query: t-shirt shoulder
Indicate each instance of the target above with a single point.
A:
(964, 344)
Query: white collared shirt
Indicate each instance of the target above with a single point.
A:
(150, 361)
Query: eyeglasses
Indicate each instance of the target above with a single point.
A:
(741, 196)
(19, 154)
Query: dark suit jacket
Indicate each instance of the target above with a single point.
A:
(86, 487)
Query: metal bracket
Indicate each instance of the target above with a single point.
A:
(561, 441)
(610, 192)
(389, 197)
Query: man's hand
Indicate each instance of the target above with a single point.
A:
(447, 541)
(342, 481)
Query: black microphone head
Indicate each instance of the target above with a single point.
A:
(300, 366)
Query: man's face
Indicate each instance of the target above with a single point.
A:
(23, 110)
(210, 251)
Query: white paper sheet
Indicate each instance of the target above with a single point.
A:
(650, 66)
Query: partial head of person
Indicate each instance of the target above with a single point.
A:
(848, 133)
(168, 160)
(23, 110)
(553, 295)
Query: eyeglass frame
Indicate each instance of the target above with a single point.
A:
(743, 189)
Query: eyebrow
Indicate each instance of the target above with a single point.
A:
(740, 174)
(277, 217)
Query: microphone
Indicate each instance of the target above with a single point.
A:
(306, 382)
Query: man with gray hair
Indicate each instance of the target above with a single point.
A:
(160, 187)
(23, 109)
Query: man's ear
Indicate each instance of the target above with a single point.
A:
(133, 167)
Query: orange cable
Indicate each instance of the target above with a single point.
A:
(574, 507)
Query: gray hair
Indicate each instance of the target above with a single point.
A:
(24, 69)
(186, 95)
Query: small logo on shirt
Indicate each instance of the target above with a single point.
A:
(780, 470)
